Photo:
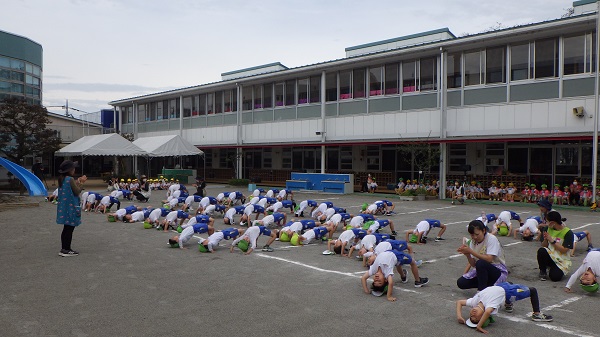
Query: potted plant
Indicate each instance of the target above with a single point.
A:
(421, 193)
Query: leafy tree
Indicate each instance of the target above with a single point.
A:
(421, 155)
(24, 131)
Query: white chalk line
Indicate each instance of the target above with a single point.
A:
(586, 225)
(328, 271)
(512, 244)
(511, 318)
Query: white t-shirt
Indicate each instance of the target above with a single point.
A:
(368, 242)
(214, 240)
(275, 207)
(329, 213)
(154, 215)
(189, 200)
(252, 233)
(120, 213)
(422, 227)
(269, 219)
(137, 216)
(220, 196)
(255, 193)
(172, 216)
(372, 208)
(294, 227)
(383, 246)
(248, 210)
(386, 261)
(357, 221)
(282, 194)
(308, 236)
(185, 235)
(209, 210)
(336, 219)
(176, 194)
(375, 226)
(105, 200)
(229, 214)
(491, 297)
(491, 246)
(262, 202)
(592, 260)
(346, 236)
(204, 202)
(504, 216)
(530, 224)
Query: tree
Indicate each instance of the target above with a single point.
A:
(24, 131)
(421, 155)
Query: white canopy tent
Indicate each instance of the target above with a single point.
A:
(166, 146)
(111, 144)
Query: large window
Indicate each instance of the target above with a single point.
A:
(494, 158)
(454, 71)
(210, 103)
(290, 92)
(546, 58)
(409, 76)
(578, 54)
(227, 100)
(457, 154)
(202, 105)
(315, 89)
(346, 84)
(268, 95)
(258, 96)
(428, 74)
(375, 81)
(247, 97)
(359, 84)
(331, 87)
(219, 102)
(391, 79)
(279, 90)
(187, 107)
(473, 68)
(567, 160)
(495, 69)
(519, 62)
(303, 90)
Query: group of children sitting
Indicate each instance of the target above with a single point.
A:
(431, 187)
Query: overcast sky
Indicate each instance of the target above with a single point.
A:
(103, 50)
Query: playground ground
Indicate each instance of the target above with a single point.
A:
(127, 281)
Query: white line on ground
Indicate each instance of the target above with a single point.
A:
(586, 225)
(445, 258)
(563, 303)
(326, 270)
(454, 223)
(512, 244)
(547, 326)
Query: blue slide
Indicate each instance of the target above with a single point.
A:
(34, 184)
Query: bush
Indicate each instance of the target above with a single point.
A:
(408, 193)
(420, 191)
(238, 182)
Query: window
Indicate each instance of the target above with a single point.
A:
(345, 84)
(473, 68)
(567, 160)
(346, 158)
(578, 54)
(303, 90)
(258, 96)
(519, 62)
(333, 159)
(267, 158)
(152, 112)
(517, 160)
(37, 71)
(375, 81)
(187, 107)
(141, 112)
(165, 109)
(409, 76)
(4, 62)
(268, 95)
(17, 76)
(234, 104)
(458, 156)
(391, 79)
(454, 76)
(219, 102)
(202, 105)
(5, 74)
(246, 98)
(373, 158)
(159, 110)
(286, 158)
(495, 65)
(279, 89)
(359, 83)
(494, 158)
(315, 89)
(210, 103)
(174, 108)
(546, 58)
(290, 92)
(331, 87)
(16, 64)
(428, 74)
(227, 100)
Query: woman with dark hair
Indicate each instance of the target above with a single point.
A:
(485, 255)
(143, 193)
(68, 211)
(554, 256)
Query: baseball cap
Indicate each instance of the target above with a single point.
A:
(545, 203)
(555, 217)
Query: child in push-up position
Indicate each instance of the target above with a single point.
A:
(487, 301)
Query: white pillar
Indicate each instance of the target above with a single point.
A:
(323, 131)
(443, 122)
(596, 106)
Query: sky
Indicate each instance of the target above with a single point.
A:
(97, 51)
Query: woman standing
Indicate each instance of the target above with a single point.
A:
(485, 255)
(68, 211)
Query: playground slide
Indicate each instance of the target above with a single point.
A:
(34, 185)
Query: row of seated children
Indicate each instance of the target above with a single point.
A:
(432, 187)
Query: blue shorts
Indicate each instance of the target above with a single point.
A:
(328, 203)
(403, 258)
(580, 235)
(308, 224)
(320, 232)
(398, 245)
(359, 232)
(381, 237)
(383, 223)
(345, 216)
(230, 233)
(514, 292)
(264, 231)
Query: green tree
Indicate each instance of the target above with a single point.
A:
(24, 131)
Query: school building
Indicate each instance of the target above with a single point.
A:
(513, 105)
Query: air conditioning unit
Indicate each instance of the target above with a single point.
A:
(578, 111)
